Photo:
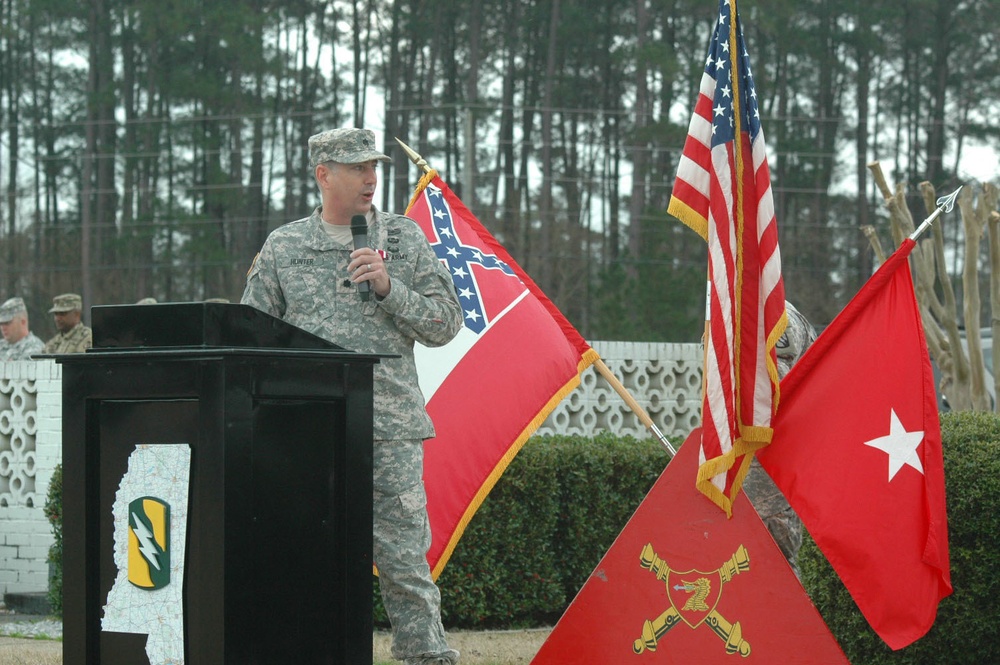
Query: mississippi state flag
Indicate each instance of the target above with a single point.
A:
(492, 386)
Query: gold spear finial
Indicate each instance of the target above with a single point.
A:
(414, 157)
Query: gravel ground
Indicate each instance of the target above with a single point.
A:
(29, 640)
(37, 641)
(34, 628)
(16, 651)
(498, 647)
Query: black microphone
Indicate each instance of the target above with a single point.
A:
(359, 229)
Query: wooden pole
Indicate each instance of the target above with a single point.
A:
(622, 391)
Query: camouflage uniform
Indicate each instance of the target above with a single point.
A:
(22, 349)
(77, 340)
(784, 525)
(27, 346)
(799, 336)
(300, 275)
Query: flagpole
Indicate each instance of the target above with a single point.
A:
(414, 157)
(599, 364)
(623, 392)
(944, 204)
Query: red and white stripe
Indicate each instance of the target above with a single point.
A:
(734, 212)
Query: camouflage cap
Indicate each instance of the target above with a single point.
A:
(12, 308)
(66, 302)
(345, 146)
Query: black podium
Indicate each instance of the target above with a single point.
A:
(278, 558)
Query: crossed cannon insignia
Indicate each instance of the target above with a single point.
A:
(693, 596)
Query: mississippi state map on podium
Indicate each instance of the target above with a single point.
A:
(683, 584)
(150, 535)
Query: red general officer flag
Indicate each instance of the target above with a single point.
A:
(491, 387)
(857, 452)
(723, 191)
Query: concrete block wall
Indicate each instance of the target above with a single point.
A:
(665, 380)
(30, 449)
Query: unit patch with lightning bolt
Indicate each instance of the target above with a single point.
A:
(148, 543)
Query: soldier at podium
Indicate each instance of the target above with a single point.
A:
(378, 298)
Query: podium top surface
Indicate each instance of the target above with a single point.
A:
(196, 325)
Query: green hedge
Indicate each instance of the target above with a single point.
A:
(542, 530)
(563, 501)
(965, 628)
(53, 511)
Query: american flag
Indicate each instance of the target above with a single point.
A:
(723, 191)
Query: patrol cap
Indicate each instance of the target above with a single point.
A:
(346, 145)
(12, 308)
(66, 302)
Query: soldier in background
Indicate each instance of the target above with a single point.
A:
(18, 343)
(73, 336)
(784, 525)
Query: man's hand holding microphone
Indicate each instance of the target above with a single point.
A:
(367, 268)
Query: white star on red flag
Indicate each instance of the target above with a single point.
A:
(900, 445)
